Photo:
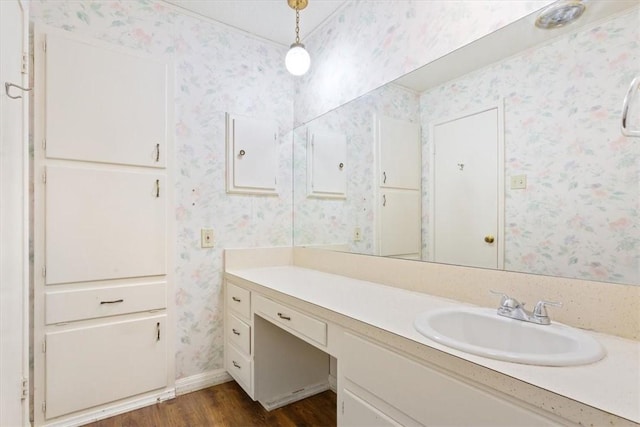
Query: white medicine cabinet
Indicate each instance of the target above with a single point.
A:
(252, 155)
(326, 164)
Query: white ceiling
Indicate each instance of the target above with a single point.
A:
(269, 19)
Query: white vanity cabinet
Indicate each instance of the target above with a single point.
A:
(298, 317)
(275, 352)
(382, 387)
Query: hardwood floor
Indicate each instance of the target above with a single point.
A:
(227, 405)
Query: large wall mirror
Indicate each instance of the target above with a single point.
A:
(507, 153)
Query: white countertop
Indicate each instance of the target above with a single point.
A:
(611, 385)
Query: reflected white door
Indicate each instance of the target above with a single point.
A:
(14, 410)
(466, 199)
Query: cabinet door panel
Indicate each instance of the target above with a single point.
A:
(93, 365)
(425, 394)
(400, 154)
(104, 224)
(104, 105)
(252, 155)
(400, 223)
(326, 165)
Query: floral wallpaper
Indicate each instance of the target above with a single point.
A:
(392, 37)
(217, 70)
(579, 215)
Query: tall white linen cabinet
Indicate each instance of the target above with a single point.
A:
(103, 229)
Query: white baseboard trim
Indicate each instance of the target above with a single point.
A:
(295, 396)
(182, 386)
(116, 409)
(200, 381)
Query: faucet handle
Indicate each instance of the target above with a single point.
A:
(540, 310)
(506, 301)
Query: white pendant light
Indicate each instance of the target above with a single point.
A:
(297, 60)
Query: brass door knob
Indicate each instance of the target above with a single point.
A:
(489, 238)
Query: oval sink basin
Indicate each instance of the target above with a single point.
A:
(483, 332)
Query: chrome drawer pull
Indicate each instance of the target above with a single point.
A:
(236, 332)
(235, 299)
(236, 364)
(112, 302)
(282, 316)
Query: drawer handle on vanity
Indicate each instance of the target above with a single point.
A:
(235, 331)
(282, 316)
(116, 301)
(236, 299)
(236, 364)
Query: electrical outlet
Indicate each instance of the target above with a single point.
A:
(206, 237)
(518, 182)
(357, 234)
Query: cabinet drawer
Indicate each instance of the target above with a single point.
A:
(239, 300)
(239, 333)
(93, 365)
(79, 304)
(239, 366)
(303, 324)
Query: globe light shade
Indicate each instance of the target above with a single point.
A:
(297, 60)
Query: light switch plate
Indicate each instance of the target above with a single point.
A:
(206, 237)
(518, 182)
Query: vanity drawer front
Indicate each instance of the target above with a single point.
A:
(239, 333)
(80, 304)
(239, 300)
(239, 367)
(303, 324)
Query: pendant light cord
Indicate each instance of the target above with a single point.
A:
(297, 24)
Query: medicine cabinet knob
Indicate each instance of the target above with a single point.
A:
(489, 238)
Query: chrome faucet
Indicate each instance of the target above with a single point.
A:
(512, 308)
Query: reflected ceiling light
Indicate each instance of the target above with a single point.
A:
(297, 59)
(560, 14)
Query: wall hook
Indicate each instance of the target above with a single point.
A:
(7, 85)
